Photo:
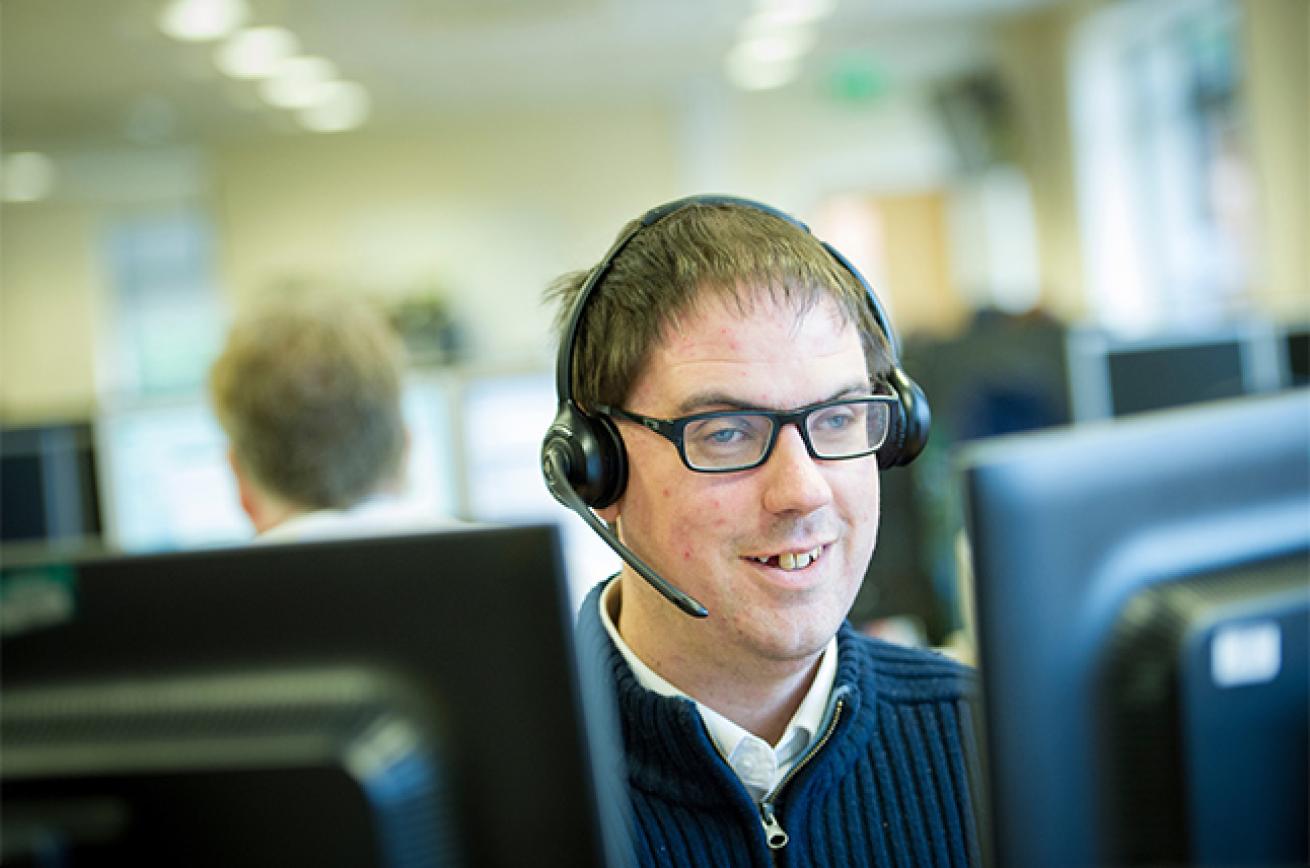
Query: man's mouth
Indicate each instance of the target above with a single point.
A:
(790, 560)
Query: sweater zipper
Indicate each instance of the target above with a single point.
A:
(774, 834)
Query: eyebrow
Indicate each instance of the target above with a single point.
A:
(710, 401)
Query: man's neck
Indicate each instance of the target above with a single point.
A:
(760, 696)
(264, 510)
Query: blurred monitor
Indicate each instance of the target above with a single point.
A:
(1003, 374)
(406, 701)
(1296, 355)
(166, 484)
(48, 492)
(1143, 609)
(504, 416)
(432, 467)
(1110, 377)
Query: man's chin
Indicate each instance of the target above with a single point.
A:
(801, 644)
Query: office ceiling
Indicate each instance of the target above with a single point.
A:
(99, 71)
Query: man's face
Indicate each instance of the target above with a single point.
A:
(707, 533)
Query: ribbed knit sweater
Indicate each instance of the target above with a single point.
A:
(890, 781)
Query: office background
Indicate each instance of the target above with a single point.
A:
(1044, 192)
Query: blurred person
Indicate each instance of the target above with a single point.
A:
(308, 390)
(730, 378)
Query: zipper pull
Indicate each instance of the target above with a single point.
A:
(773, 831)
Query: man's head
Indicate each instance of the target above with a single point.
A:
(726, 307)
(308, 390)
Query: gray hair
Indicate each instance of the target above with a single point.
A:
(308, 389)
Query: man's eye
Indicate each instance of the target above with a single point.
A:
(724, 436)
(835, 420)
(729, 432)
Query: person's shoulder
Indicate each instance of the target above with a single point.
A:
(906, 674)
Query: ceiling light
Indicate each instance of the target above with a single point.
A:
(299, 82)
(780, 47)
(256, 52)
(749, 72)
(26, 176)
(202, 20)
(344, 106)
(772, 14)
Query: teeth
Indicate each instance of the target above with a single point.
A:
(790, 561)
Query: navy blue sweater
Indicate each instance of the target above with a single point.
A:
(891, 781)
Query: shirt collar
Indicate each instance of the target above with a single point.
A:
(377, 514)
(741, 748)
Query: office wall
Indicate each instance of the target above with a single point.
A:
(918, 279)
(795, 149)
(495, 206)
(49, 311)
(1278, 94)
(1033, 63)
(487, 208)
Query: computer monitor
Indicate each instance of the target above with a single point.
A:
(1110, 377)
(503, 414)
(1142, 602)
(48, 493)
(165, 482)
(1296, 355)
(405, 701)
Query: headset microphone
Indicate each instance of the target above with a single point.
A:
(555, 463)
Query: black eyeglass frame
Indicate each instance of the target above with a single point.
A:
(673, 429)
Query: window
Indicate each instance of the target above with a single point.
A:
(166, 317)
(1165, 186)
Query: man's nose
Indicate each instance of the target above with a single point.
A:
(794, 482)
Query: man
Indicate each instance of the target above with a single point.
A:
(768, 732)
(308, 390)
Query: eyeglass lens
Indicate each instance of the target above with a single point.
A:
(838, 430)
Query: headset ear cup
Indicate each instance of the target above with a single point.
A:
(910, 422)
(595, 460)
(613, 476)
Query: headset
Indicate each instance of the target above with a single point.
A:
(582, 456)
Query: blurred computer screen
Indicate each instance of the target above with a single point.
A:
(503, 417)
(165, 482)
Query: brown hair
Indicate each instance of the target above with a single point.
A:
(728, 250)
(308, 389)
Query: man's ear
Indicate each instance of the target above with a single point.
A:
(263, 510)
(246, 491)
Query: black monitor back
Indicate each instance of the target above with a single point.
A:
(1111, 376)
(1114, 564)
(406, 701)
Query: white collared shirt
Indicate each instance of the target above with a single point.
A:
(760, 766)
(378, 515)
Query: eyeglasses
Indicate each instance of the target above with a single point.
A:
(728, 440)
